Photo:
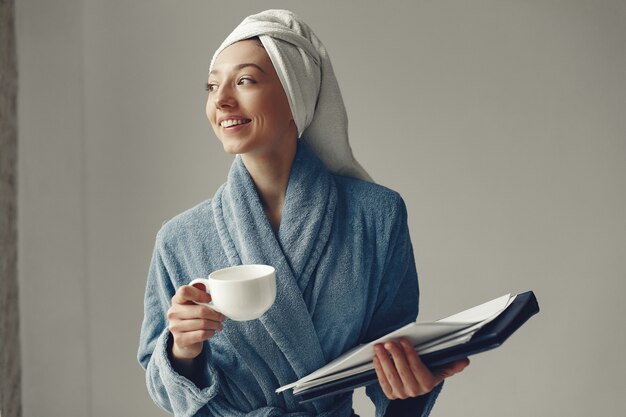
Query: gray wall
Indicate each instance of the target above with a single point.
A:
(500, 122)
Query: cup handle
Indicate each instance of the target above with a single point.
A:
(205, 282)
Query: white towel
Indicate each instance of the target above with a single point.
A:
(308, 79)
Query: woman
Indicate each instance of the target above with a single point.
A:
(296, 199)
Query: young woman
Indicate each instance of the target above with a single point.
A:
(295, 199)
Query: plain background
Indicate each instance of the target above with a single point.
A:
(502, 124)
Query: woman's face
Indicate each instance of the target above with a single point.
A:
(246, 104)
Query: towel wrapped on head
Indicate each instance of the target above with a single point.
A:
(307, 76)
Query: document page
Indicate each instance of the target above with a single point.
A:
(426, 337)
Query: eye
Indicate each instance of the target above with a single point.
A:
(210, 87)
(246, 80)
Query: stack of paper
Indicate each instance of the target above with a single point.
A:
(426, 337)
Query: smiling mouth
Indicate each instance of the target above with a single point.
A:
(234, 122)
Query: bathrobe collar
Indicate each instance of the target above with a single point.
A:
(247, 238)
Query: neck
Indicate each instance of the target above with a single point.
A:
(270, 174)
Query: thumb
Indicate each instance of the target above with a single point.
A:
(452, 369)
(200, 296)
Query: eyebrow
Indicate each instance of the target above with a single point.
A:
(241, 66)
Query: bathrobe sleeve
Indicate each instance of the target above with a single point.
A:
(398, 297)
(169, 390)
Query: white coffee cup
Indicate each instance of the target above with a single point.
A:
(242, 292)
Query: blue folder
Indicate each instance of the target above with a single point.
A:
(489, 337)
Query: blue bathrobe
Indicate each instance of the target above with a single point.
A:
(345, 275)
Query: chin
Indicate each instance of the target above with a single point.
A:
(234, 148)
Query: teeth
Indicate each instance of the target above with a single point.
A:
(232, 122)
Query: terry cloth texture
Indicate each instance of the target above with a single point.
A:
(345, 275)
(307, 76)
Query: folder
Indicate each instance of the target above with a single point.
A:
(489, 336)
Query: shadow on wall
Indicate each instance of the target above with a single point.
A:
(10, 380)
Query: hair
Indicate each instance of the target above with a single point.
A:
(257, 40)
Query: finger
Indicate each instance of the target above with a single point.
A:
(187, 293)
(422, 374)
(182, 326)
(410, 385)
(390, 372)
(193, 311)
(382, 379)
(191, 338)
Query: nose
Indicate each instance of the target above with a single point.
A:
(224, 97)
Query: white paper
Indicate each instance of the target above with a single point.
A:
(426, 337)
(361, 354)
(481, 312)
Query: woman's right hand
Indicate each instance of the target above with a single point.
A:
(191, 323)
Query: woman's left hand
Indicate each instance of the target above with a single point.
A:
(404, 375)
